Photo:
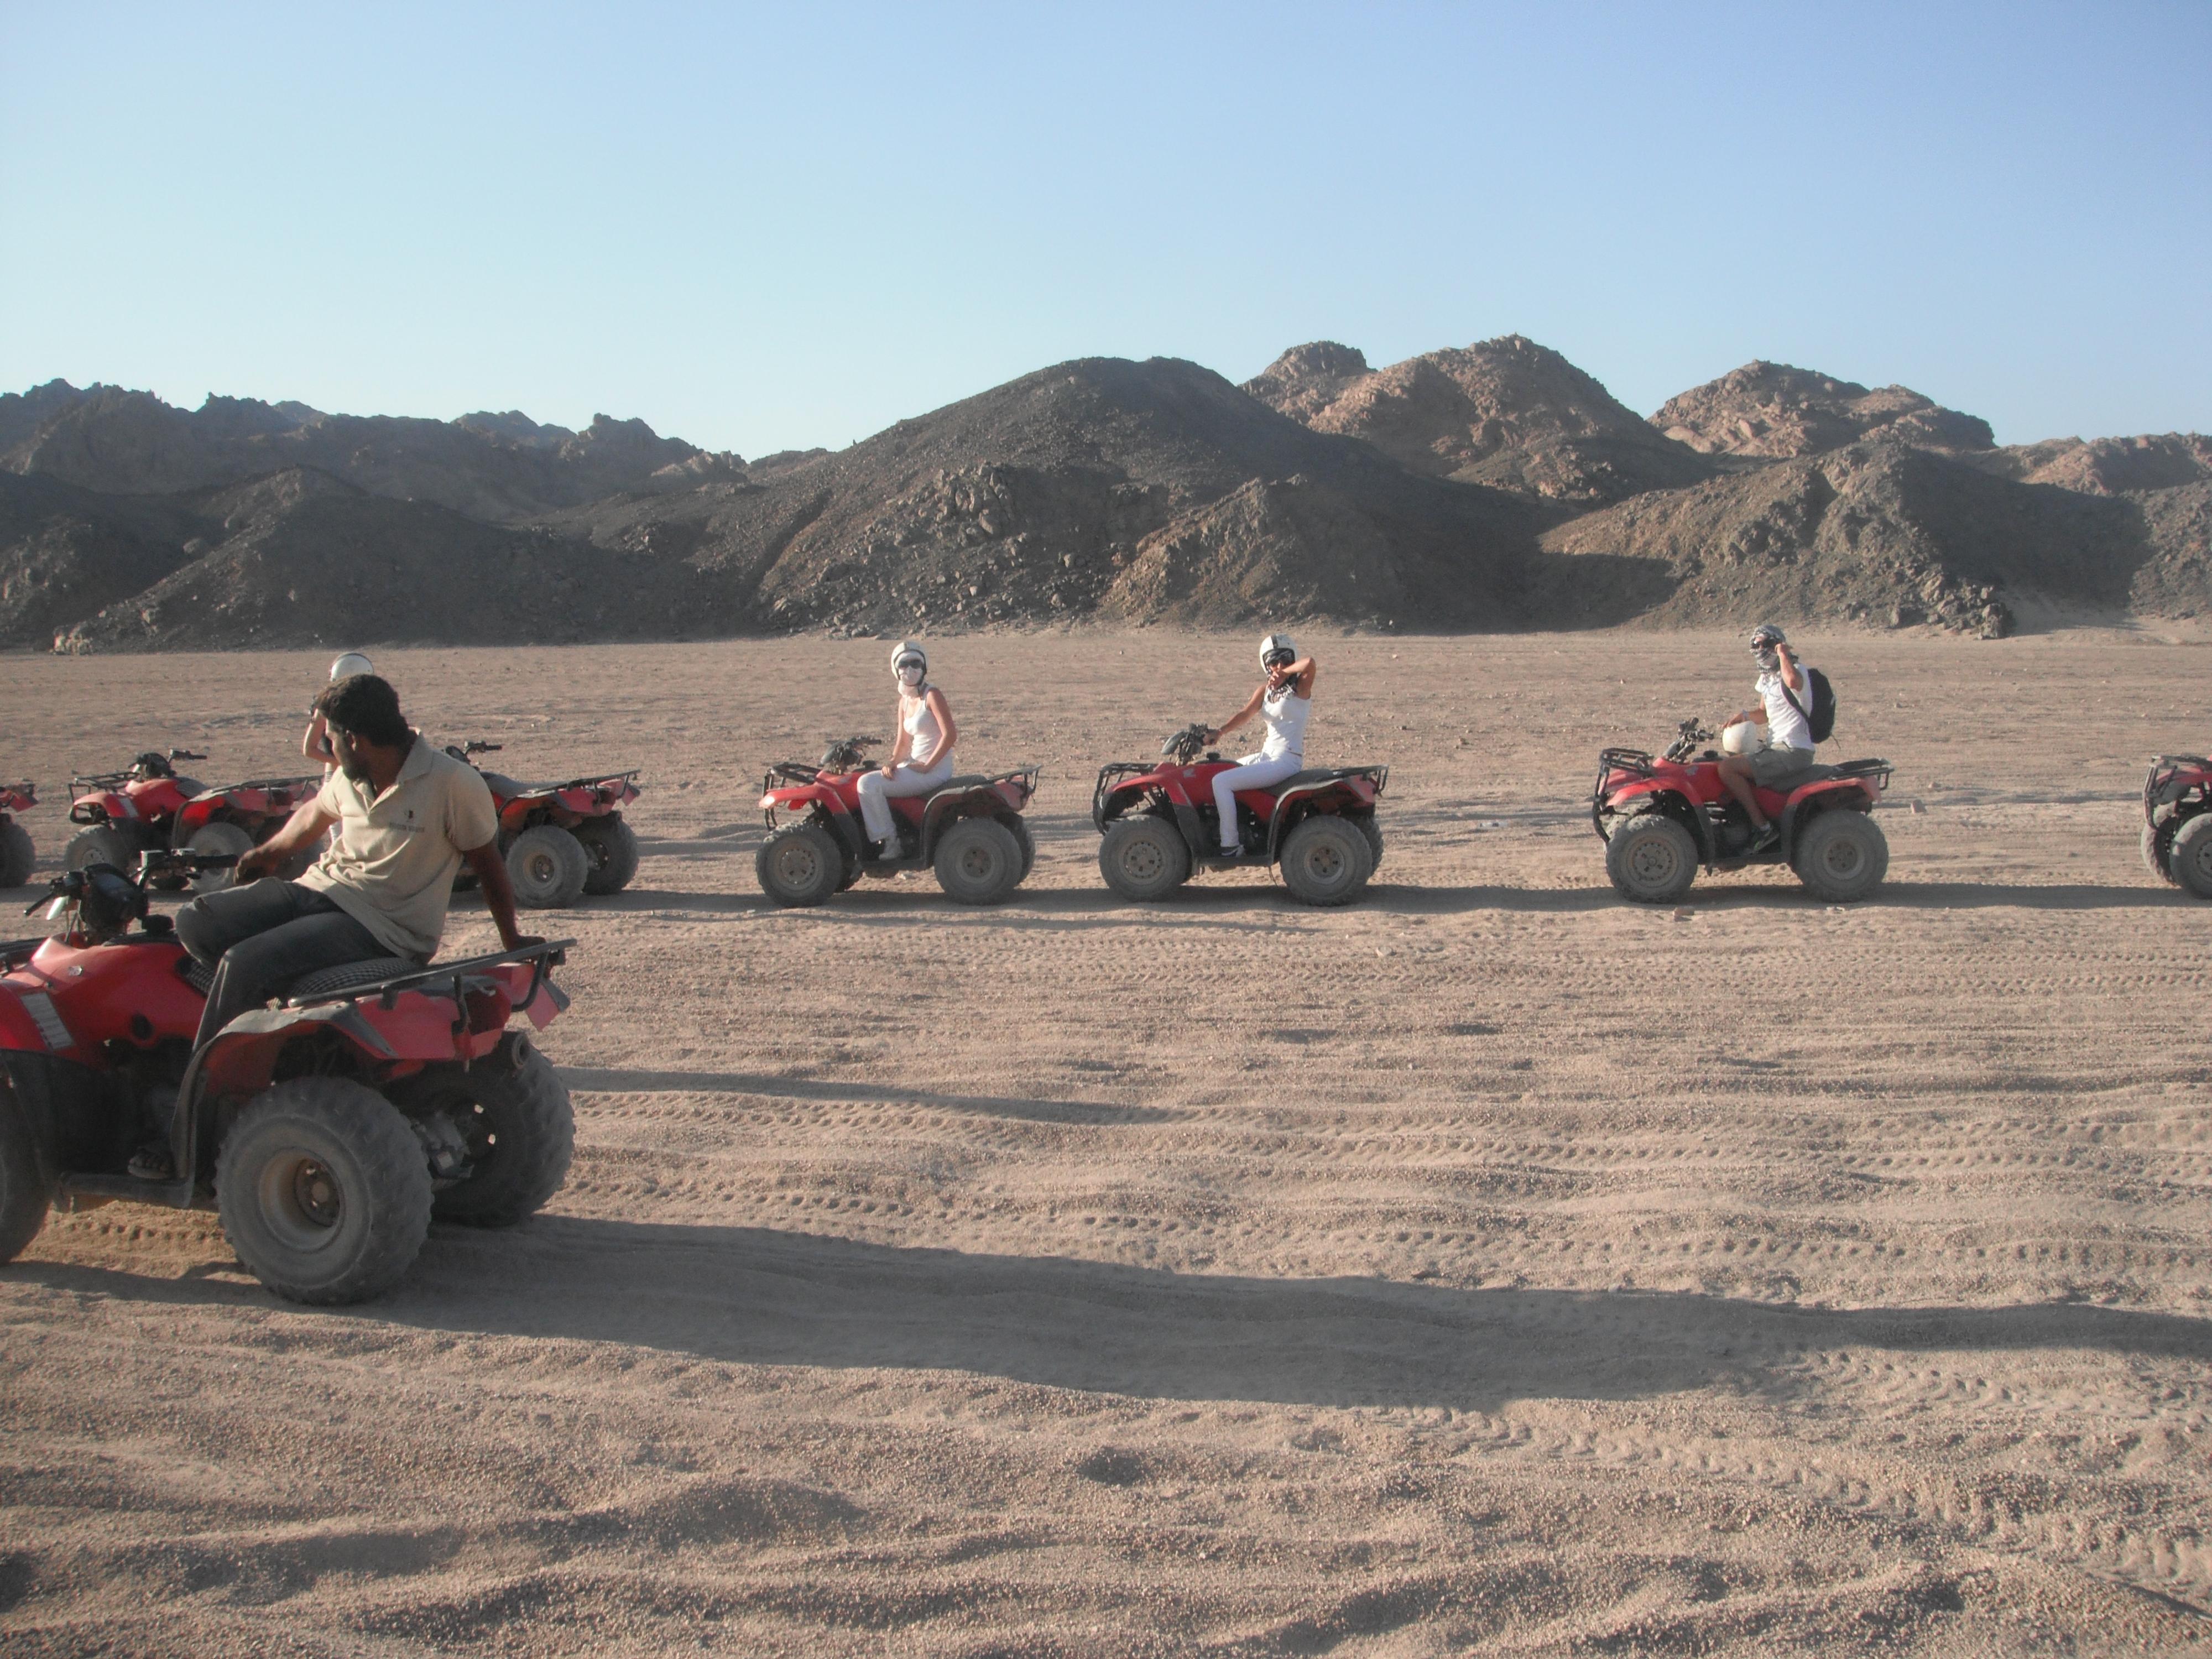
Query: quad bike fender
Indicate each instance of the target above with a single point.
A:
(1832, 794)
(1655, 796)
(1282, 811)
(459, 1018)
(74, 1114)
(20, 1031)
(108, 806)
(827, 807)
(987, 800)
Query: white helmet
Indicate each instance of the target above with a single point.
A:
(906, 652)
(1744, 738)
(1277, 646)
(350, 663)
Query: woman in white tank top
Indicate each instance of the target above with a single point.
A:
(921, 755)
(1285, 700)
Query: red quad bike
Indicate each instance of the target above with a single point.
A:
(328, 1129)
(561, 840)
(151, 805)
(1160, 822)
(968, 830)
(2177, 835)
(1660, 819)
(17, 855)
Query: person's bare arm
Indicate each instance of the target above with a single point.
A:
(1215, 733)
(316, 744)
(1792, 676)
(1298, 676)
(309, 824)
(499, 892)
(900, 738)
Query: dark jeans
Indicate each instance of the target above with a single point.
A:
(259, 938)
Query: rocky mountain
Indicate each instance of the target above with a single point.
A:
(1777, 412)
(1507, 412)
(2107, 466)
(1883, 533)
(1496, 487)
(1135, 492)
(301, 558)
(497, 468)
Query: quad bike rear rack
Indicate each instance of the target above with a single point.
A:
(2163, 769)
(546, 954)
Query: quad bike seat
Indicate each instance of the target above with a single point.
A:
(1316, 774)
(965, 780)
(503, 785)
(321, 982)
(346, 974)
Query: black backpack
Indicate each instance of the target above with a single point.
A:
(1821, 716)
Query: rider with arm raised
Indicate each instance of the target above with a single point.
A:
(1285, 700)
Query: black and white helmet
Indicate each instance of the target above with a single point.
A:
(1277, 650)
(908, 654)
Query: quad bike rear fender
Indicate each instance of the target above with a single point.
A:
(1007, 792)
(2173, 781)
(569, 804)
(1353, 795)
(455, 1012)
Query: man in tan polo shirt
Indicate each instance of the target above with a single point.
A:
(408, 817)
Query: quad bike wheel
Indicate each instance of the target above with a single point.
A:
(1144, 857)
(17, 859)
(2156, 838)
(513, 1110)
(1841, 856)
(548, 866)
(1020, 829)
(2190, 857)
(24, 1194)
(220, 840)
(103, 843)
(800, 865)
(1326, 860)
(610, 850)
(978, 860)
(324, 1190)
(1651, 860)
(1373, 832)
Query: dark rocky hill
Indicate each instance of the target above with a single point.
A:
(1506, 412)
(1879, 532)
(498, 468)
(1134, 491)
(301, 558)
(1494, 487)
(1777, 412)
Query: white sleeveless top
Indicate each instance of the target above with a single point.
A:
(921, 726)
(1286, 717)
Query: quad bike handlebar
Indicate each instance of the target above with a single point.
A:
(1689, 735)
(473, 746)
(1186, 745)
(846, 754)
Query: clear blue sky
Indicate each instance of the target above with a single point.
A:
(789, 226)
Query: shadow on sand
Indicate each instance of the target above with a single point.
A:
(754, 1296)
(617, 1081)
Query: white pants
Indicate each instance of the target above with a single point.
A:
(876, 792)
(1253, 772)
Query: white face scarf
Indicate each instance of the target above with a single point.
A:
(910, 679)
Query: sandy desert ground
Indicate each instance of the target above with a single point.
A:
(1494, 1266)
